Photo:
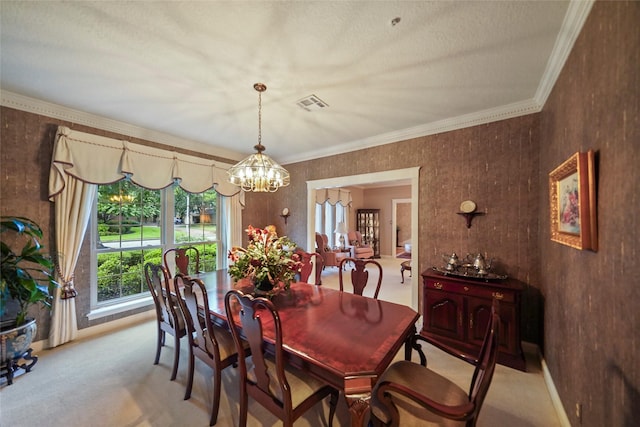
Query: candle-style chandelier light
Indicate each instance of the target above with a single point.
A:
(258, 172)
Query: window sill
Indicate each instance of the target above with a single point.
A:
(100, 312)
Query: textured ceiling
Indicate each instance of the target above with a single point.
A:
(187, 69)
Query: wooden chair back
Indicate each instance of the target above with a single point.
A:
(308, 261)
(433, 393)
(265, 378)
(211, 344)
(486, 364)
(186, 260)
(359, 275)
(168, 316)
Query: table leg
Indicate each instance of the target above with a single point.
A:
(359, 408)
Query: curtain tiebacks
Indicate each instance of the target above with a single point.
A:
(68, 289)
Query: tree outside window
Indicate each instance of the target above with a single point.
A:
(130, 230)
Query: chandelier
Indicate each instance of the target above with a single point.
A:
(258, 172)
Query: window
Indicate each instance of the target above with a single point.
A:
(196, 222)
(133, 226)
(327, 218)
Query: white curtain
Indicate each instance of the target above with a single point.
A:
(231, 233)
(327, 217)
(72, 210)
(80, 160)
(100, 160)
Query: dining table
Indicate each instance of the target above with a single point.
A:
(343, 339)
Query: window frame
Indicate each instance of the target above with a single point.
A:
(102, 309)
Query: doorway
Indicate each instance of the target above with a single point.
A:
(401, 223)
(412, 174)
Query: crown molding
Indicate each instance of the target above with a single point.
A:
(574, 20)
(577, 13)
(48, 109)
(575, 17)
(504, 112)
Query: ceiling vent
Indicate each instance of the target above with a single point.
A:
(312, 103)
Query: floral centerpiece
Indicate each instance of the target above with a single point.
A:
(268, 260)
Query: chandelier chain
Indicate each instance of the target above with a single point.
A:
(259, 172)
(260, 118)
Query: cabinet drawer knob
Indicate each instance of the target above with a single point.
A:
(466, 288)
(498, 295)
(437, 285)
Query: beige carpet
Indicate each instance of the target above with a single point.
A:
(110, 380)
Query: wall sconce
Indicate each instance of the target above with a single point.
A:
(285, 214)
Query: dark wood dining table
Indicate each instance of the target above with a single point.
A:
(343, 339)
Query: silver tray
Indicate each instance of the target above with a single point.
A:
(470, 274)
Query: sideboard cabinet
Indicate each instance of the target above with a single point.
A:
(457, 312)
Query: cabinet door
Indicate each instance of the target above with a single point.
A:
(479, 313)
(444, 314)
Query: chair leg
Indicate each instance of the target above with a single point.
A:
(242, 422)
(176, 357)
(187, 393)
(217, 383)
(159, 345)
(332, 407)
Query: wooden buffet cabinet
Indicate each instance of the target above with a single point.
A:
(457, 310)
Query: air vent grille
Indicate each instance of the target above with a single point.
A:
(311, 103)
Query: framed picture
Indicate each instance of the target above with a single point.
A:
(572, 196)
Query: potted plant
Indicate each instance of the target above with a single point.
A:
(27, 279)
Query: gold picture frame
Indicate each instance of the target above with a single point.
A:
(572, 197)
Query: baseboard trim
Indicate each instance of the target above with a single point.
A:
(102, 328)
(551, 387)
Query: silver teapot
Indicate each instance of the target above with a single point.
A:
(479, 263)
(452, 261)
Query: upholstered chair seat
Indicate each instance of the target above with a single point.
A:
(360, 249)
(432, 384)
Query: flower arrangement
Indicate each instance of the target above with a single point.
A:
(268, 260)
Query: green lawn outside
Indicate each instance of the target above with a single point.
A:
(152, 232)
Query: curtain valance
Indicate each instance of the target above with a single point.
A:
(100, 160)
(334, 196)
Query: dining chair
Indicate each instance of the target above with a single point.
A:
(211, 344)
(410, 394)
(168, 316)
(186, 260)
(283, 390)
(308, 261)
(359, 275)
